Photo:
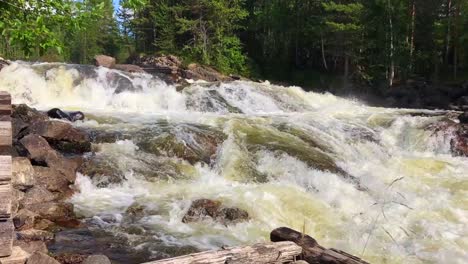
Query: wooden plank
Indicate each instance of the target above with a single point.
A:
(312, 252)
(5, 201)
(18, 256)
(5, 169)
(282, 252)
(5, 133)
(7, 231)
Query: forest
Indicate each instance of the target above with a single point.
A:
(375, 43)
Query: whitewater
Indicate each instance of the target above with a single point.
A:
(379, 183)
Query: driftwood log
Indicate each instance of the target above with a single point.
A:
(281, 252)
(312, 252)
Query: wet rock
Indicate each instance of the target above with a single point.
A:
(34, 235)
(23, 174)
(103, 172)
(97, 259)
(54, 211)
(135, 211)
(51, 178)
(199, 144)
(459, 144)
(99, 136)
(232, 215)
(31, 247)
(104, 61)
(41, 258)
(67, 147)
(18, 127)
(37, 194)
(70, 116)
(129, 68)
(208, 209)
(463, 118)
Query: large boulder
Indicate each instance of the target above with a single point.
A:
(34, 235)
(23, 174)
(32, 246)
(37, 194)
(54, 211)
(104, 61)
(27, 114)
(40, 151)
(51, 178)
(58, 131)
(204, 209)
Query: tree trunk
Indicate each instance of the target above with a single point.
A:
(456, 40)
(282, 252)
(346, 71)
(392, 62)
(312, 252)
(413, 21)
(447, 36)
(324, 59)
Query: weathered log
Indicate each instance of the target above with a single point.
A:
(282, 252)
(312, 252)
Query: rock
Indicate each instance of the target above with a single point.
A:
(27, 114)
(34, 235)
(70, 258)
(40, 151)
(23, 174)
(67, 147)
(135, 211)
(24, 219)
(463, 118)
(3, 63)
(459, 144)
(208, 209)
(200, 72)
(58, 131)
(18, 127)
(129, 68)
(71, 116)
(41, 258)
(100, 136)
(104, 61)
(97, 259)
(51, 178)
(32, 247)
(102, 171)
(18, 256)
(16, 199)
(37, 194)
(54, 211)
(199, 145)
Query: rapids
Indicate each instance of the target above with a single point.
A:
(375, 182)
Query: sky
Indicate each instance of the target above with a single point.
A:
(116, 4)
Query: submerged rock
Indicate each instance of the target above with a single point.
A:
(203, 209)
(191, 143)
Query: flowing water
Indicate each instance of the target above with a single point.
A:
(376, 182)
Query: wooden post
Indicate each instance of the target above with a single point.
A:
(6, 224)
(312, 252)
(282, 252)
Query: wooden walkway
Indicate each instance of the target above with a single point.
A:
(6, 224)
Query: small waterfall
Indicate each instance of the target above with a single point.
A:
(376, 182)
